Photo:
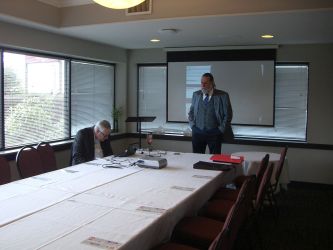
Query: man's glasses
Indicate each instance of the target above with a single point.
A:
(104, 135)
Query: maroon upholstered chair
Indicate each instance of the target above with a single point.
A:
(29, 162)
(5, 176)
(226, 238)
(232, 194)
(47, 156)
(263, 188)
(200, 232)
(220, 237)
(279, 169)
(218, 209)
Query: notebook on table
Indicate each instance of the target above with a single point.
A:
(212, 166)
(227, 158)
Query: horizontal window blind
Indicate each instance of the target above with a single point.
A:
(35, 99)
(152, 99)
(291, 93)
(92, 88)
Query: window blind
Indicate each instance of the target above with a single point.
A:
(35, 99)
(92, 91)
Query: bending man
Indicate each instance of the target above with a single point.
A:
(92, 143)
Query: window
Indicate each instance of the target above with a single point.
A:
(38, 103)
(291, 92)
(92, 89)
(35, 99)
(152, 99)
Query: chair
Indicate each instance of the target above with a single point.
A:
(47, 156)
(279, 168)
(273, 188)
(200, 231)
(220, 237)
(29, 162)
(232, 194)
(263, 188)
(5, 176)
(218, 209)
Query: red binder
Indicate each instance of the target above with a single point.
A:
(227, 158)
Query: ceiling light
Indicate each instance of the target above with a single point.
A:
(267, 36)
(119, 4)
(154, 40)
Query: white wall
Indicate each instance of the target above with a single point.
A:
(308, 165)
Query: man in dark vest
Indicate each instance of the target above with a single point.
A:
(92, 143)
(210, 117)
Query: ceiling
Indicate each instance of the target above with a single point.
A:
(239, 27)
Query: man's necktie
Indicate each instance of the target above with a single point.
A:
(206, 99)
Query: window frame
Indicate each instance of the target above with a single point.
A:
(68, 73)
(138, 85)
(80, 60)
(245, 138)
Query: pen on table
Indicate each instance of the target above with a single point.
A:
(110, 166)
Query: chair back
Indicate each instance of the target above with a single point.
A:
(263, 187)
(280, 165)
(262, 168)
(222, 241)
(236, 216)
(29, 162)
(5, 176)
(47, 156)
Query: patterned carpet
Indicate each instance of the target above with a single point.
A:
(305, 220)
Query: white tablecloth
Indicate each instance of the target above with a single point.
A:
(128, 208)
(252, 162)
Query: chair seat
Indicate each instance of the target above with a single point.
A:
(226, 194)
(217, 209)
(174, 246)
(197, 231)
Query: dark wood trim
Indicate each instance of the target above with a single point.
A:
(66, 145)
(222, 55)
(57, 146)
(245, 141)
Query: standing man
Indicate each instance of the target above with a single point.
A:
(92, 143)
(210, 117)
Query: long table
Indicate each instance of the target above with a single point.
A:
(89, 207)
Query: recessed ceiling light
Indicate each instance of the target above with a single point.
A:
(154, 40)
(267, 36)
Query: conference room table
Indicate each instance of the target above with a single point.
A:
(252, 160)
(90, 206)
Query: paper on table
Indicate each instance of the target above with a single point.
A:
(101, 243)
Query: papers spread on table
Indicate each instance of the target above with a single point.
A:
(227, 158)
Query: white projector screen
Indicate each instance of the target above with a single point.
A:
(250, 85)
